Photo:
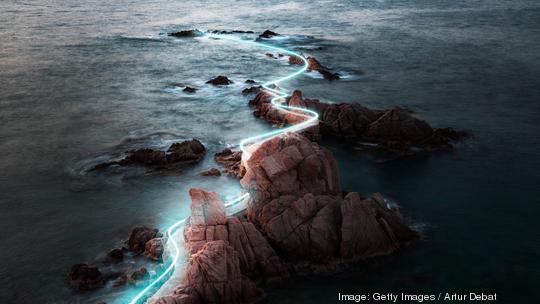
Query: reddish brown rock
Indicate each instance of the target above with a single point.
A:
(154, 248)
(296, 60)
(231, 161)
(296, 201)
(226, 256)
(394, 130)
(138, 238)
(211, 172)
(179, 154)
(220, 80)
(84, 277)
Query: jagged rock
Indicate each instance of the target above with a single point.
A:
(83, 277)
(115, 255)
(189, 89)
(251, 90)
(211, 172)
(231, 161)
(186, 152)
(138, 238)
(268, 34)
(398, 124)
(296, 201)
(226, 255)
(154, 248)
(186, 34)
(220, 80)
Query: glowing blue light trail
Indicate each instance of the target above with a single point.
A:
(311, 119)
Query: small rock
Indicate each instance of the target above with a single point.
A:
(141, 274)
(250, 81)
(211, 172)
(220, 80)
(295, 60)
(154, 249)
(251, 90)
(270, 55)
(138, 238)
(268, 34)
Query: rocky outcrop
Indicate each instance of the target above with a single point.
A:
(394, 130)
(84, 277)
(227, 255)
(178, 154)
(115, 255)
(186, 34)
(231, 161)
(219, 81)
(297, 202)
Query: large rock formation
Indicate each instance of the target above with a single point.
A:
(227, 255)
(393, 130)
(297, 202)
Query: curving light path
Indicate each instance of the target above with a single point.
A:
(311, 118)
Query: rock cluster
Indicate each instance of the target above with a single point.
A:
(297, 202)
(297, 215)
(178, 154)
(226, 255)
(393, 130)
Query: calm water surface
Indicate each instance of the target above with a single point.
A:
(83, 81)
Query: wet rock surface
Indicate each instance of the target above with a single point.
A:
(219, 81)
(138, 238)
(315, 65)
(251, 90)
(189, 89)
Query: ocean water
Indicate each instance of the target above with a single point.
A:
(83, 81)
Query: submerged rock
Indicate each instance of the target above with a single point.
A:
(186, 34)
(139, 275)
(84, 277)
(115, 255)
(220, 80)
(189, 89)
(250, 81)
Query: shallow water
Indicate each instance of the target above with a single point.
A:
(83, 82)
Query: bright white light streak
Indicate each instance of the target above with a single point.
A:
(311, 117)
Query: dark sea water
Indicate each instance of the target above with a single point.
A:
(83, 81)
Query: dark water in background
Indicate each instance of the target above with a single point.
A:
(81, 81)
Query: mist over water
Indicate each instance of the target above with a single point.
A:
(84, 81)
